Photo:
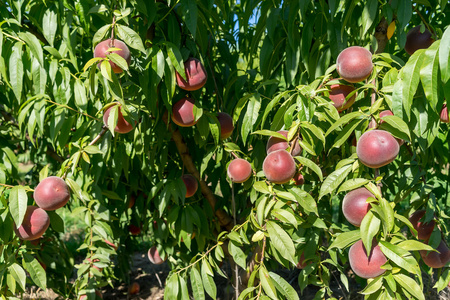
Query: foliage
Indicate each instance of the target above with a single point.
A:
(269, 65)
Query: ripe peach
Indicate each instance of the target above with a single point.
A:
(153, 256)
(239, 170)
(436, 259)
(134, 288)
(101, 50)
(377, 148)
(51, 193)
(134, 230)
(354, 205)
(275, 143)
(279, 167)
(34, 224)
(299, 179)
(354, 64)
(183, 112)
(301, 263)
(98, 295)
(338, 94)
(416, 40)
(444, 114)
(385, 113)
(363, 265)
(195, 74)
(122, 125)
(424, 230)
(226, 125)
(191, 184)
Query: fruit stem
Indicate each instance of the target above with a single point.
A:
(99, 136)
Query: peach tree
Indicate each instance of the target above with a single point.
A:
(270, 135)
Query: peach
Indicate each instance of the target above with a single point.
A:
(436, 259)
(279, 167)
(354, 64)
(239, 170)
(424, 230)
(191, 184)
(34, 224)
(122, 125)
(98, 295)
(134, 288)
(275, 143)
(385, 113)
(226, 125)
(195, 74)
(363, 265)
(132, 201)
(416, 40)
(134, 230)
(101, 50)
(51, 193)
(153, 256)
(338, 94)
(444, 114)
(299, 179)
(354, 205)
(377, 148)
(301, 263)
(183, 112)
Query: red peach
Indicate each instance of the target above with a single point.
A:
(363, 265)
(183, 112)
(436, 259)
(191, 184)
(424, 230)
(355, 207)
(444, 114)
(51, 193)
(377, 148)
(34, 224)
(239, 170)
(338, 94)
(416, 40)
(101, 50)
(275, 143)
(279, 167)
(122, 125)
(226, 125)
(195, 74)
(299, 179)
(354, 64)
(153, 256)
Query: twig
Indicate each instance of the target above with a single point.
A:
(99, 136)
(236, 267)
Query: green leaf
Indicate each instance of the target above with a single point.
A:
(208, 282)
(112, 119)
(171, 288)
(345, 133)
(34, 45)
(130, 37)
(18, 204)
(270, 133)
(404, 13)
(370, 226)
(284, 287)
(100, 34)
(444, 54)
(50, 26)
(413, 245)
(399, 256)
(190, 15)
(373, 286)
(281, 241)
(267, 283)
(197, 284)
(409, 285)
(56, 221)
(344, 239)
(387, 215)
(250, 117)
(238, 255)
(16, 70)
(176, 59)
(106, 70)
(81, 100)
(19, 275)
(429, 74)
(369, 14)
(352, 184)
(344, 120)
(92, 149)
(306, 201)
(310, 164)
(118, 60)
(334, 180)
(285, 216)
(36, 271)
(397, 127)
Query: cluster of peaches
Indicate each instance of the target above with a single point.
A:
(50, 194)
